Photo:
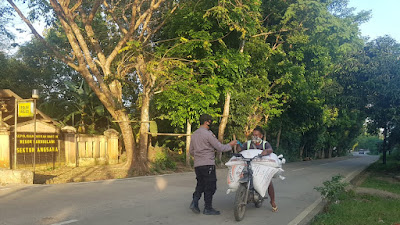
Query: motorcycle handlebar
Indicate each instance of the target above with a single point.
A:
(240, 155)
(237, 155)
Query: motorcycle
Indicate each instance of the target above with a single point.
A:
(246, 193)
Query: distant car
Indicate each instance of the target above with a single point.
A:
(361, 151)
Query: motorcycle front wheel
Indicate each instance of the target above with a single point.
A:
(259, 203)
(240, 203)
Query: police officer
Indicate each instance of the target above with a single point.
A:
(202, 147)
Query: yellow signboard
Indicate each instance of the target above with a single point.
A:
(25, 109)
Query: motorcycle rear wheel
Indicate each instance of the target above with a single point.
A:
(240, 204)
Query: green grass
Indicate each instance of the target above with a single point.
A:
(379, 170)
(355, 209)
(372, 182)
(392, 165)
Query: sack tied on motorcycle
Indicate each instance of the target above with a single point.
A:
(263, 170)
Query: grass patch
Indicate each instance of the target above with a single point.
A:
(392, 165)
(380, 175)
(360, 209)
(372, 182)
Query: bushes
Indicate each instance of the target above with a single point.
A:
(163, 161)
(332, 189)
(396, 153)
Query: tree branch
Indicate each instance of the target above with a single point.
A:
(101, 89)
(151, 33)
(94, 11)
(135, 23)
(76, 6)
(268, 33)
(91, 35)
(40, 38)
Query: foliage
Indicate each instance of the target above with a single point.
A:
(19, 75)
(5, 19)
(367, 209)
(368, 142)
(297, 68)
(162, 161)
(360, 209)
(392, 165)
(332, 189)
(375, 83)
(80, 108)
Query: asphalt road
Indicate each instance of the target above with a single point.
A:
(155, 200)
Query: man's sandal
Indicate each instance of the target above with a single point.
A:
(275, 209)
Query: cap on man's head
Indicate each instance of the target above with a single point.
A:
(204, 118)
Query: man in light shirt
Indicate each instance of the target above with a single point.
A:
(202, 147)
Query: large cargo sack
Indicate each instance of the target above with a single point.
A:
(264, 169)
(235, 166)
(262, 176)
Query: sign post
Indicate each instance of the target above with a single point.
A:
(15, 133)
(26, 108)
(35, 96)
(34, 136)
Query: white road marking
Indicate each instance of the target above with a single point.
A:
(65, 222)
(324, 164)
(303, 214)
(4, 189)
(298, 169)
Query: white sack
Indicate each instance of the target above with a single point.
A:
(262, 176)
(271, 160)
(236, 166)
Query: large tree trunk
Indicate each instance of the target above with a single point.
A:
(302, 151)
(128, 138)
(384, 145)
(144, 127)
(330, 152)
(224, 122)
(188, 138)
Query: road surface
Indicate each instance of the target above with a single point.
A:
(156, 200)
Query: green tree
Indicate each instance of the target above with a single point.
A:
(316, 37)
(382, 86)
(95, 33)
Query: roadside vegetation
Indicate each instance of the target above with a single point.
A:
(370, 206)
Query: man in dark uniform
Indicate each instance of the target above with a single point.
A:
(257, 142)
(202, 147)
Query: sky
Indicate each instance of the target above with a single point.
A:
(385, 17)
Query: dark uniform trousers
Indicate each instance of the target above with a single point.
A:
(207, 183)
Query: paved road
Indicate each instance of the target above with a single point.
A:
(165, 199)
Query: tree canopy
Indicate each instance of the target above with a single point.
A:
(300, 69)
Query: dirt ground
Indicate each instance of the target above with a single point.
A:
(66, 174)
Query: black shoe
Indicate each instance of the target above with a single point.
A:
(194, 206)
(211, 211)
